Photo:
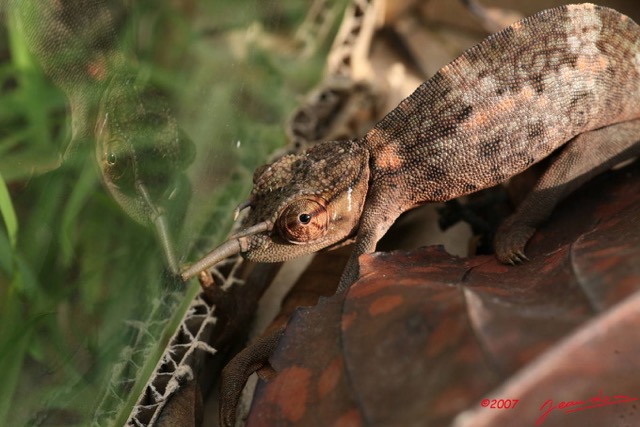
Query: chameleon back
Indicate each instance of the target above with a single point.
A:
(510, 101)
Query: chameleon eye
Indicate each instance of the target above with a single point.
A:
(111, 159)
(304, 220)
(118, 167)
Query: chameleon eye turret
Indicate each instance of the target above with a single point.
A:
(304, 220)
(117, 165)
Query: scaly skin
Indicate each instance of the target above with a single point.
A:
(550, 80)
(568, 76)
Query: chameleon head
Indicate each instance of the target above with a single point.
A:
(142, 153)
(299, 204)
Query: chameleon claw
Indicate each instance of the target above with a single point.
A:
(517, 257)
(522, 256)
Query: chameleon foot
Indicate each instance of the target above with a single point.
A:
(511, 238)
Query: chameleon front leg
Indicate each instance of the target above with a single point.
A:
(582, 158)
(378, 216)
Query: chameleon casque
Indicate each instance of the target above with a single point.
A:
(566, 79)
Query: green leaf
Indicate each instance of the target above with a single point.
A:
(6, 255)
(15, 336)
(8, 213)
(85, 188)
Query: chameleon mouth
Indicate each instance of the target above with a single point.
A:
(237, 243)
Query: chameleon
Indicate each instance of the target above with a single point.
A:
(331, 100)
(142, 154)
(140, 150)
(565, 79)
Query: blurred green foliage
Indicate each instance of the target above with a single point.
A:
(79, 280)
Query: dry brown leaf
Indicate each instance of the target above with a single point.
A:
(423, 336)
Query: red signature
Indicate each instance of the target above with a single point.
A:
(580, 405)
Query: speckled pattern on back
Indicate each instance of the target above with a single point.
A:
(565, 77)
(510, 101)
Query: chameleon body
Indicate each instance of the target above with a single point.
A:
(566, 78)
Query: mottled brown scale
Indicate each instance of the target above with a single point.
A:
(566, 77)
(541, 74)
